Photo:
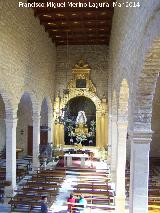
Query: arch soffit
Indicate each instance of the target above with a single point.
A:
(10, 108)
(49, 104)
(146, 87)
(94, 98)
(123, 99)
(151, 47)
(148, 73)
(34, 100)
(117, 85)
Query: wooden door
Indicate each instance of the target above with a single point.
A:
(30, 140)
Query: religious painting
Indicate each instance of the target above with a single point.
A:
(80, 83)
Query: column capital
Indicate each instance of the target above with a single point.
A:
(11, 116)
(141, 137)
(109, 115)
(122, 120)
(11, 120)
(98, 114)
(114, 118)
(36, 116)
(50, 120)
(122, 124)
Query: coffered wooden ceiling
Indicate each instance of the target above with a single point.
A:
(76, 25)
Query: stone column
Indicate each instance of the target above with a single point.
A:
(121, 164)
(109, 138)
(54, 133)
(139, 171)
(36, 139)
(98, 128)
(104, 130)
(11, 125)
(56, 121)
(50, 126)
(104, 124)
(61, 129)
(114, 146)
(57, 134)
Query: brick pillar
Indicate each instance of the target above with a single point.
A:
(139, 171)
(121, 163)
(36, 139)
(11, 125)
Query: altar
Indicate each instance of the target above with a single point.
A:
(68, 159)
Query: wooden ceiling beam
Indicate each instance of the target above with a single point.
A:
(80, 38)
(75, 18)
(98, 42)
(52, 11)
(72, 27)
(79, 20)
(79, 30)
(64, 34)
(76, 25)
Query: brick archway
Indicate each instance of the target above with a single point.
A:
(10, 109)
(141, 136)
(123, 101)
(146, 88)
(49, 118)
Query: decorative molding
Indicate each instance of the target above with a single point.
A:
(140, 137)
(82, 71)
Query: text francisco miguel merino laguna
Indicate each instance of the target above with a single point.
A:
(80, 4)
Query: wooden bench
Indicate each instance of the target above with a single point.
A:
(46, 179)
(24, 205)
(77, 206)
(93, 186)
(42, 184)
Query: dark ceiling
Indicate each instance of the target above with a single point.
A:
(76, 25)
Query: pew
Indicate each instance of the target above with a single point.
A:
(91, 182)
(97, 206)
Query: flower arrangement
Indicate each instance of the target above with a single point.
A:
(80, 137)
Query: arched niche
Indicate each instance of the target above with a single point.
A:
(75, 105)
(24, 138)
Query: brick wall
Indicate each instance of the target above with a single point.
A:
(155, 151)
(133, 33)
(2, 124)
(27, 54)
(27, 57)
(95, 55)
